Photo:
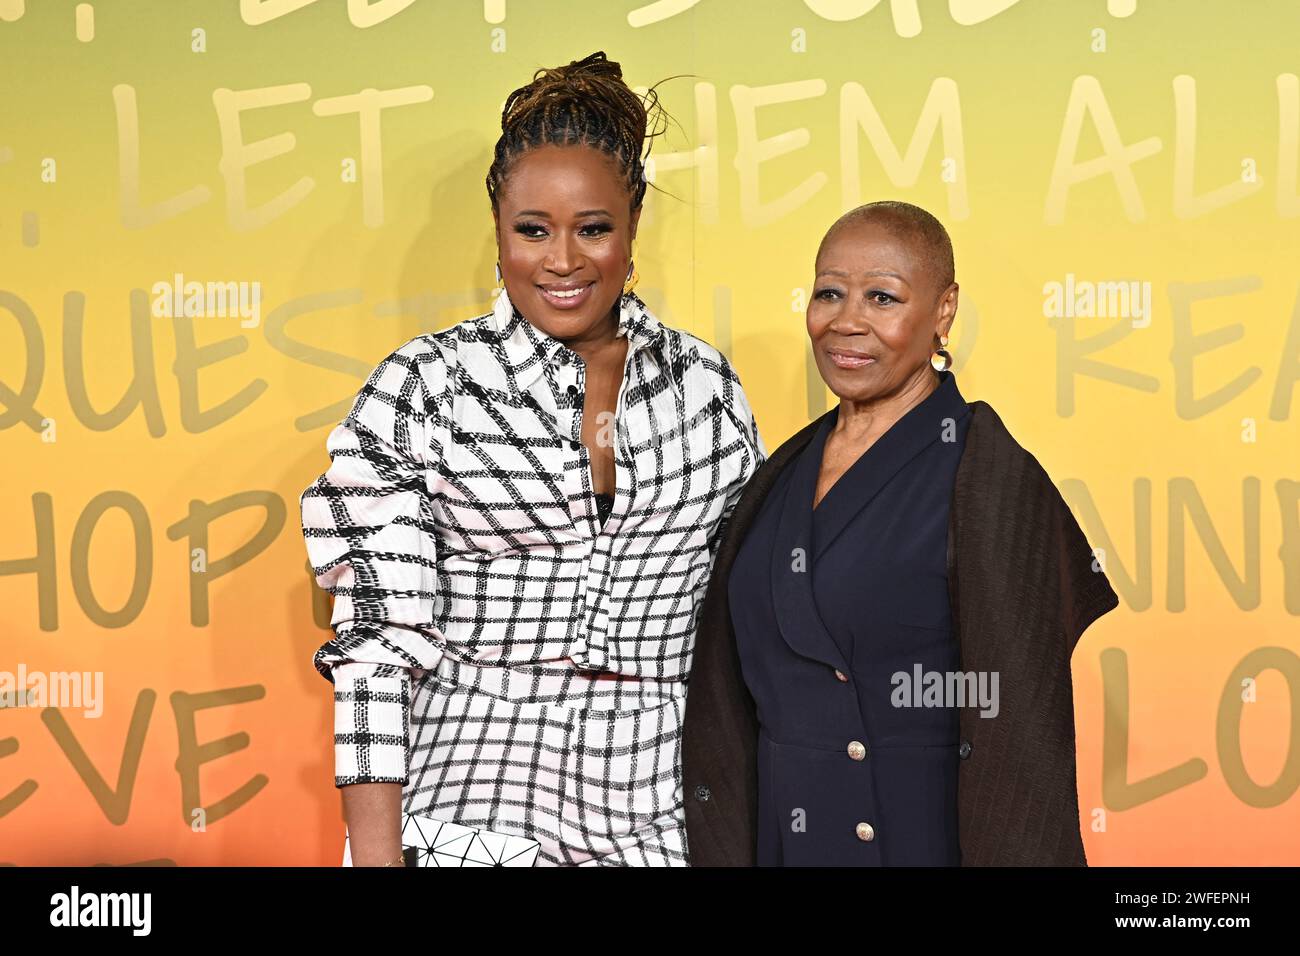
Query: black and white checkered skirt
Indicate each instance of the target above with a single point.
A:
(588, 764)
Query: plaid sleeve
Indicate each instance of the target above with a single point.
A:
(371, 739)
(737, 406)
(369, 537)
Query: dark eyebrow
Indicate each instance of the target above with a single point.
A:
(879, 272)
(546, 215)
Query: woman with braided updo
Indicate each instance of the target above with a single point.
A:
(519, 520)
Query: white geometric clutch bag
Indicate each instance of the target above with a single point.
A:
(430, 842)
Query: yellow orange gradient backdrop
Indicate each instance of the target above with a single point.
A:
(1144, 141)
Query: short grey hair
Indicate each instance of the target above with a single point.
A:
(910, 223)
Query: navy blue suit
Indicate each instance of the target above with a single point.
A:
(828, 604)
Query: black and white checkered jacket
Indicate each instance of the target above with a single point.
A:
(457, 517)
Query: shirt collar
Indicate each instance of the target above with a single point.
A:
(946, 401)
(926, 422)
(529, 350)
(933, 420)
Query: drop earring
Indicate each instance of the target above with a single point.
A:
(500, 282)
(632, 278)
(941, 360)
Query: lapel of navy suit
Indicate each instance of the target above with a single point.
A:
(797, 614)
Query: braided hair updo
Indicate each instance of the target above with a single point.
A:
(585, 103)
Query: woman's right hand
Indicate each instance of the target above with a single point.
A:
(373, 812)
